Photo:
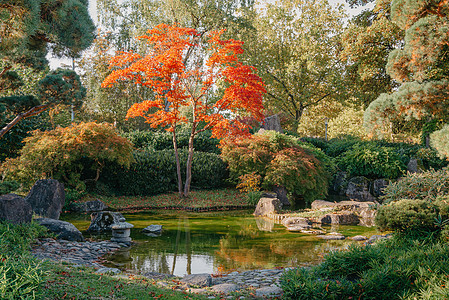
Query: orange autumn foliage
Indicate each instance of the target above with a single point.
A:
(183, 71)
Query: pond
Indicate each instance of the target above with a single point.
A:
(216, 242)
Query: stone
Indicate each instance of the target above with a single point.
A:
(108, 271)
(267, 206)
(281, 194)
(296, 221)
(320, 204)
(359, 238)
(102, 221)
(91, 206)
(297, 228)
(358, 189)
(272, 123)
(15, 209)
(121, 231)
(64, 230)
(378, 186)
(339, 184)
(269, 292)
(153, 230)
(344, 218)
(225, 288)
(200, 280)
(415, 166)
(331, 237)
(47, 197)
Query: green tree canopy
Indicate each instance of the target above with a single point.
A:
(295, 49)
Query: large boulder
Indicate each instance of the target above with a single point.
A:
(15, 209)
(415, 166)
(272, 123)
(102, 221)
(47, 197)
(64, 230)
(339, 184)
(346, 212)
(268, 206)
(358, 189)
(281, 194)
(378, 186)
(200, 280)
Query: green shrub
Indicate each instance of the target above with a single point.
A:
(16, 239)
(407, 215)
(163, 140)
(440, 141)
(397, 268)
(427, 185)
(372, 161)
(338, 146)
(8, 186)
(154, 172)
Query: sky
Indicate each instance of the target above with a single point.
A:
(55, 63)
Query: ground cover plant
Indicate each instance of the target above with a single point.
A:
(198, 200)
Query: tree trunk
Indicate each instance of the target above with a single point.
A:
(31, 112)
(298, 115)
(189, 163)
(178, 165)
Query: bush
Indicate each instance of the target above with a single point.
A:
(338, 146)
(280, 160)
(162, 140)
(398, 268)
(427, 185)
(59, 153)
(154, 172)
(372, 161)
(8, 186)
(440, 141)
(407, 216)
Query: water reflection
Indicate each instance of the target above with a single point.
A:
(219, 242)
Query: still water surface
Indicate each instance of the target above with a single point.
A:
(217, 242)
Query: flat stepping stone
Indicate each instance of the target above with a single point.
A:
(269, 292)
(225, 288)
(108, 270)
(331, 237)
(201, 280)
(359, 238)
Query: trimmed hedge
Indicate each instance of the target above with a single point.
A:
(154, 172)
(161, 140)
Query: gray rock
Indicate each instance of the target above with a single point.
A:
(358, 189)
(331, 237)
(281, 194)
(415, 166)
(225, 288)
(319, 204)
(267, 206)
(47, 197)
(344, 218)
(200, 280)
(91, 206)
(108, 271)
(339, 184)
(378, 186)
(64, 230)
(103, 221)
(305, 223)
(154, 230)
(359, 238)
(269, 292)
(15, 209)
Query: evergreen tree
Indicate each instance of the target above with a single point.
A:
(421, 66)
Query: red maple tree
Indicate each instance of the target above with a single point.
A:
(185, 70)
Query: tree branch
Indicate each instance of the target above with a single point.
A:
(31, 112)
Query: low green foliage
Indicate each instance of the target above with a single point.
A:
(398, 268)
(16, 239)
(407, 216)
(8, 186)
(154, 172)
(440, 141)
(372, 161)
(427, 185)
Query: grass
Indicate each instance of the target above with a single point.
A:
(197, 200)
(64, 282)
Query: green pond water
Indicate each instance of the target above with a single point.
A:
(216, 242)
